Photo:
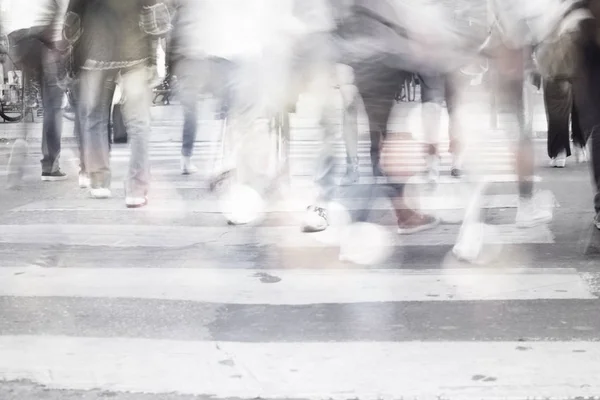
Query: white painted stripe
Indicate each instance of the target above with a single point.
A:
(127, 236)
(314, 371)
(363, 157)
(294, 204)
(308, 169)
(171, 178)
(293, 286)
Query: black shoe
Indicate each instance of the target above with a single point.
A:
(55, 176)
(377, 171)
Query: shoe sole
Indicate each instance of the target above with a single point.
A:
(101, 197)
(145, 203)
(421, 228)
(312, 230)
(54, 178)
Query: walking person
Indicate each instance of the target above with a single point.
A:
(201, 57)
(437, 90)
(586, 87)
(563, 123)
(116, 43)
(34, 30)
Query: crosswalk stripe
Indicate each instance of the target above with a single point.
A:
(170, 178)
(265, 360)
(293, 286)
(364, 370)
(130, 236)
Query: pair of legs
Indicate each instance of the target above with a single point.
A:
(435, 90)
(195, 76)
(41, 64)
(510, 85)
(96, 91)
(561, 112)
(586, 89)
(377, 86)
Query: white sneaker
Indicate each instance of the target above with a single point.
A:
(528, 215)
(560, 161)
(315, 220)
(469, 245)
(84, 181)
(187, 168)
(100, 193)
(433, 168)
(580, 154)
(136, 202)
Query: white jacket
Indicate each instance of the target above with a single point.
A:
(23, 14)
(234, 29)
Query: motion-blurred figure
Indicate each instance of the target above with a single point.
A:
(115, 42)
(561, 114)
(201, 56)
(586, 86)
(34, 32)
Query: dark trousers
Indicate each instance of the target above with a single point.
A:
(40, 65)
(586, 90)
(377, 85)
(561, 112)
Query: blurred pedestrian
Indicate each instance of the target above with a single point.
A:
(117, 42)
(34, 31)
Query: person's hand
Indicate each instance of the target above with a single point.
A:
(153, 78)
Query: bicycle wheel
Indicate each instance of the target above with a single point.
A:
(14, 111)
(11, 112)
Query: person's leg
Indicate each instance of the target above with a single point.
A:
(73, 93)
(586, 89)
(350, 136)
(432, 98)
(189, 73)
(136, 116)
(528, 214)
(557, 102)
(577, 134)
(93, 116)
(377, 89)
(25, 52)
(320, 71)
(456, 85)
(52, 96)
(349, 94)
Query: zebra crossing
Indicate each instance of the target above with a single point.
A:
(169, 301)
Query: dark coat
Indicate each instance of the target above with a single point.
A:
(111, 36)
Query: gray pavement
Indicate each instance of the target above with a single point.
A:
(168, 302)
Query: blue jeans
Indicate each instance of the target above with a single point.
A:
(95, 96)
(40, 64)
(201, 76)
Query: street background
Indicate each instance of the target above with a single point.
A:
(169, 302)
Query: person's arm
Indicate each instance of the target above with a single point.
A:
(72, 25)
(155, 19)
